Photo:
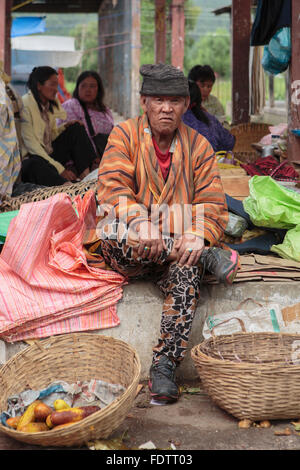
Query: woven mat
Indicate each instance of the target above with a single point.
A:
(74, 189)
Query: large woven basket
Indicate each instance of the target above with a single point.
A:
(252, 375)
(248, 134)
(73, 357)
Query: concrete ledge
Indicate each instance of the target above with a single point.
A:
(140, 312)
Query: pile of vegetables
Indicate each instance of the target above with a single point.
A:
(40, 417)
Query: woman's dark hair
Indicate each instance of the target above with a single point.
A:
(100, 94)
(195, 103)
(40, 75)
(202, 73)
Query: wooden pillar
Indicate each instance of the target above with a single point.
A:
(5, 31)
(294, 87)
(135, 57)
(177, 47)
(103, 62)
(160, 31)
(241, 28)
(271, 91)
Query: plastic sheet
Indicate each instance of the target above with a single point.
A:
(290, 247)
(270, 204)
(5, 219)
(277, 53)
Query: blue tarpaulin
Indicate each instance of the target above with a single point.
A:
(22, 26)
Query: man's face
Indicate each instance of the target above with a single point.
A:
(164, 112)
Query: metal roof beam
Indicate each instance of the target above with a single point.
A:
(53, 6)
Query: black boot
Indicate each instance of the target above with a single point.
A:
(223, 264)
(162, 384)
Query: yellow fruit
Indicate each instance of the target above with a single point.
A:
(60, 405)
(28, 416)
(34, 427)
(49, 422)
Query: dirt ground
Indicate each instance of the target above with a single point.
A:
(194, 423)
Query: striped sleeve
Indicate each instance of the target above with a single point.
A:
(116, 176)
(210, 214)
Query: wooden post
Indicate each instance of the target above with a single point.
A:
(294, 87)
(177, 48)
(135, 57)
(103, 62)
(5, 31)
(241, 28)
(160, 31)
(271, 91)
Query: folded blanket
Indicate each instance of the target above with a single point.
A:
(47, 286)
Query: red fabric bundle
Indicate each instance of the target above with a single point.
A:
(269, 166)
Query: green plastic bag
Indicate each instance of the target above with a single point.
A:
(5, 219)
(290, 247)
(270, 204)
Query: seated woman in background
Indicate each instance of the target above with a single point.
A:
(49, 148)
(87, 106)
(205, 78)
(205, 123)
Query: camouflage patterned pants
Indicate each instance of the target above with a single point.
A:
(179, 285)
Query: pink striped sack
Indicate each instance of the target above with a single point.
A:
(47, 286)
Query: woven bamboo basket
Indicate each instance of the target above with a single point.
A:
(248, 134)
(14, 203)
(73, 357)
(252, 376)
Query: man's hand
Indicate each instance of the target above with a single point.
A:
(189, 248)
(151, 243)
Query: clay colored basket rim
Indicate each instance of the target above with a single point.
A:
(103, 423)
(210, 350)
(252, 375)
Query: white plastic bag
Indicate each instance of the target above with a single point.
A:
(262, 318)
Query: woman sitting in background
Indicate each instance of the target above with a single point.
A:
(204, 77)
(49, 148)
(206, 124)
(87, 106)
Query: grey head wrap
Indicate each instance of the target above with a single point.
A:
(163, 79)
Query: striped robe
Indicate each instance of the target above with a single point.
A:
(10, 160)
(130, 181)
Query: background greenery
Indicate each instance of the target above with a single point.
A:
(207, 41)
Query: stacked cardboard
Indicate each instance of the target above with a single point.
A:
(267, 268)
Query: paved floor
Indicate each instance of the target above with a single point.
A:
(193, 423)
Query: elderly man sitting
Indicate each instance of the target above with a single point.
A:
(163, 213)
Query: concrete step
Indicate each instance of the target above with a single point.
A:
(140, 311)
